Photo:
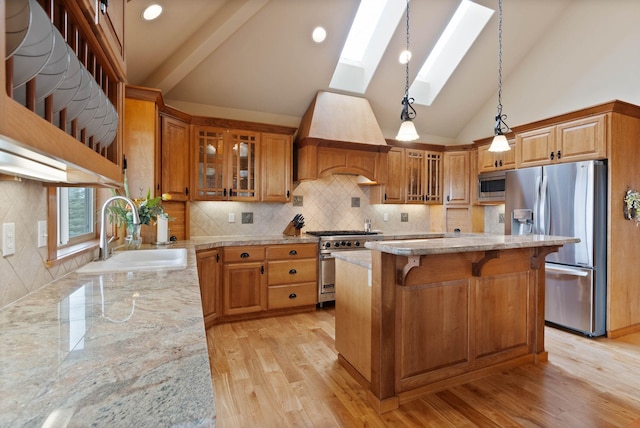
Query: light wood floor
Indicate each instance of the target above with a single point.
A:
(283, 372)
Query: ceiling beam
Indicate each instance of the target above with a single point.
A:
(204, 41)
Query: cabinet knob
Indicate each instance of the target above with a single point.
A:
(292, 296)
(500, 162)
(559, 154)
(287, 194)
(244, 255)
(495, 164)
(292, 271)
(293, 253)
(551, 156)
(262, 270)
(186, 191)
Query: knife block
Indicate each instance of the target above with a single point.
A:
(291, 230)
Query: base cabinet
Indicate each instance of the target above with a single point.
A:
(253, 281)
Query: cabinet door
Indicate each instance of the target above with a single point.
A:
(244, 288)
(208, 276)
(210, 164)
(507, 160)
(490, 161)
(582, 139)
(414, 175)
(433, 177)
(535, 147)
(277, 167)
(244, 167)
(458, 219)
(175, 158)
(457, 176)
(394, 188)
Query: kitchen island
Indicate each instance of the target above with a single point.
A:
(440, 311)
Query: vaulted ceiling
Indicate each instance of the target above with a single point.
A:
(255, 58)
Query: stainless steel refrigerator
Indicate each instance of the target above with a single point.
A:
(566, 200)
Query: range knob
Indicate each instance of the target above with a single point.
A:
(343, 243)
(337, 244)
(327, 244)
(357, 243)
(348, 243)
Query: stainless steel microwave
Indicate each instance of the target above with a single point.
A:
(491, 186)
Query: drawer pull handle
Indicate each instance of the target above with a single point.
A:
(292, 296)
(293, 252)
(293, 272)
(244, 255)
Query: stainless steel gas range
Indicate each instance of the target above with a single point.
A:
(332, 241)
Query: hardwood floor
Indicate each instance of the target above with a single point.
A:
(283, 372)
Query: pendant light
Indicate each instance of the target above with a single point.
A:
(499, 143)
(407, 131)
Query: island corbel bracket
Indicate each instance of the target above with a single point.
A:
(412, 261)
(540, 254)
(476, 267)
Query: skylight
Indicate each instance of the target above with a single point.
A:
(372, 28)
(461, 32)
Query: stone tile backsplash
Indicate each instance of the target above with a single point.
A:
(327, 204)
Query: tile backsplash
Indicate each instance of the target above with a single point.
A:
(326, 204)
(24, 203)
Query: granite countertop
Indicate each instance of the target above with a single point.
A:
(460, 243)
(116, 349)
(357, 257)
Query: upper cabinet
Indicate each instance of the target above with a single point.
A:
(76, 121)
(227, 164)
(277, 167)
(414, 176)
(457, 167)
(496, 161)
(175, 158)
(575, 140)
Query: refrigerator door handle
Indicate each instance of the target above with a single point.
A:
(543, 206)
(566, 270)
(536, 208)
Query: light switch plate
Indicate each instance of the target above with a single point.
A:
(8, 239)
(232, 217)
(42, 233)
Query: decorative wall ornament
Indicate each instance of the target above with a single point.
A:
(632, 205)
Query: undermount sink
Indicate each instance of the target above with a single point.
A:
(139, 260)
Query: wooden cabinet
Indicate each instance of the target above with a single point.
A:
(244, 280)
(414, 176)
(227, 164)
(314, 162)
(208, 262)
(109, 20)
(459, 212)
(175, 158)
(240, 282)
(575, 140)
(496, 161)
(157, 157)
(457, 173)
(277, 167)
(292, 275)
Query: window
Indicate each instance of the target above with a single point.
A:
(75, 215)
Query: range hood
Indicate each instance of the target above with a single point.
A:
(339, 134)
(342, 121)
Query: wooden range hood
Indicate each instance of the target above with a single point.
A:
(339, 134)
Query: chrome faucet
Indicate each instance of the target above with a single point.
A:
(104, 243)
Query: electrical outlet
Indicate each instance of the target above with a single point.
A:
(500, 217)
(8, 239)
(42, 233)
(247, 218)
(232, 217)
(404, 217)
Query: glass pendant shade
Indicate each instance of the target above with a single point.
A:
(499, 144)
(407, 131)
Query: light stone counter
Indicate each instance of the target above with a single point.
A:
(357, 257)
(453, 243)
(112, 350)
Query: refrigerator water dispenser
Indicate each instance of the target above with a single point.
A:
(522, 222)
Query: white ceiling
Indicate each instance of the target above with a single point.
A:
(248, 56)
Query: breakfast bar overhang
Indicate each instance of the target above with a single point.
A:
(443, 311)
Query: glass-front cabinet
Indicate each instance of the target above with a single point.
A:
(227, 164)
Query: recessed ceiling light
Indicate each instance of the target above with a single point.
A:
(319, 34)
(151, 12)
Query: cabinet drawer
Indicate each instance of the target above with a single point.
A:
(292, 251)
(248, 253)
(292, 271)
(291, 296)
